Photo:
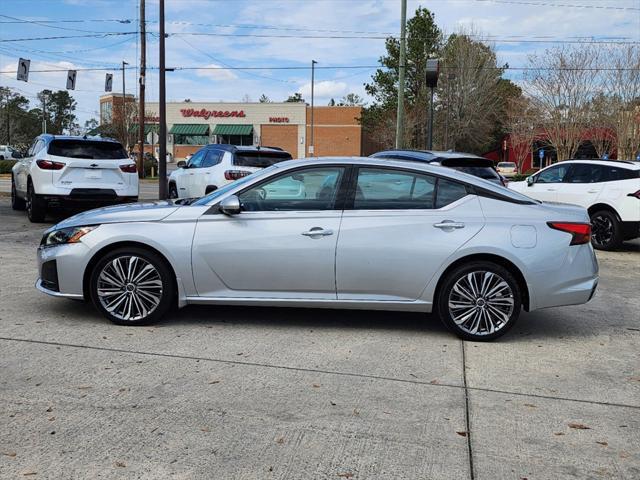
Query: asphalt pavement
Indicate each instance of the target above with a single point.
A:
(268, 393)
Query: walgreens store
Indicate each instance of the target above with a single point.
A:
(285, 125)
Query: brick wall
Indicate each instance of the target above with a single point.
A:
(337, 131)
(283, 136)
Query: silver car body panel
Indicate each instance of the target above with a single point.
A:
(377, 259)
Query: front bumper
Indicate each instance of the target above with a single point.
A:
(53, 293)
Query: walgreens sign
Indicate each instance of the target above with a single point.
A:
(207, 114)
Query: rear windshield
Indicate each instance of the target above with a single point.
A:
(482, 172)
(87, 149)
(506, 164)
(259, 158)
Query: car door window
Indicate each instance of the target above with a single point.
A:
(555, 174)
(449, 192)
(212, 158)
(197, 159)
(385, 189)
(586, 173)
(616, 173)
(308, 189)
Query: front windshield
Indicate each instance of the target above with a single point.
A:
(227, 188)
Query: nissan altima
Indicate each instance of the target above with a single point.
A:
(367, 234)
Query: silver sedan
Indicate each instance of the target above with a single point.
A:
(366, 234)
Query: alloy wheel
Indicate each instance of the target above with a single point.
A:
(481, 303)
(602, 230)
(129, 288)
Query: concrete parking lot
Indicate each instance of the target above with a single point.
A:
(265, 393)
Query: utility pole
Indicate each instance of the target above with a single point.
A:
(124, 110)
(401, 70)
(312, 148)
(44, 114)
(162, 154)
(8, 122)
(143, 67)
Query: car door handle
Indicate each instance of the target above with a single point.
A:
(317, 232)
(551, 189)
(445, 224)
(592, 191)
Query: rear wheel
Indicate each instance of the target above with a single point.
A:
(606, 231)
(479, 301)
(36, 207)
(132, 286)
(17, 203)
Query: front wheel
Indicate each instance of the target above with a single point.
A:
(479, 301)
(606, 231)
(132, 286)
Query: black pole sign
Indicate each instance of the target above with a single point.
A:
(433, 69)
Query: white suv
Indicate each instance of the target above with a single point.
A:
(216, 165)
(507, 169)
(609, 190)
(77, 172)
(8, 153)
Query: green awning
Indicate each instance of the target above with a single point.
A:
(233, 129)
(190, 129)
(148, 128)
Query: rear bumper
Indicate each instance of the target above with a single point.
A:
(630, 230)
(87, 198)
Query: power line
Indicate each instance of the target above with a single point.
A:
(97, 35)
(42, 24)
(564, 5)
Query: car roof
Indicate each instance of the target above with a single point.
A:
(619, 163)
(242, 148)
(428, 155)
(49, 137)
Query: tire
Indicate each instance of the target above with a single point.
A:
(482, 313)
(118, 296)
(606, 230)
(173, 190)
(36, 207)
(17, 203)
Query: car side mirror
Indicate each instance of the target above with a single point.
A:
(230, 205)
(530, 181)
(181, 164)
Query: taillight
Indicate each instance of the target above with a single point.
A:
(635, 194)
(50, 165)
(235, 174)
(580, 232)
(130, 168)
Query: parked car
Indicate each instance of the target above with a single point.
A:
(75, 172)
(9, 153)
(217, 165)
(609, 190)
(507, 169)
(369, 234)
(464, 162)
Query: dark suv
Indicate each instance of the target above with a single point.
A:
(464, 162)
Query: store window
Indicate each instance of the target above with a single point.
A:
(190, 139)
(241, 140)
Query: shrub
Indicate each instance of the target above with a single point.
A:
(6, 165)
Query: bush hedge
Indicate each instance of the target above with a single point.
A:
(6, 165)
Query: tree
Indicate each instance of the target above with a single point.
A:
(562, 82)
(18, 123)
(332, 103)
(424, 40)
(471, 93)
(91, 124)
(622, 83)
(295, 98)
(351, 100)
(246, 98)
(264, 99)
(521, 120)
(58, 107)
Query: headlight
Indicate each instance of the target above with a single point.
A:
(65, 235)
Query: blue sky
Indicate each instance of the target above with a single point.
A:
(511, 19)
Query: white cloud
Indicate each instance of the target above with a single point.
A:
(323, 90)
(220, 74)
